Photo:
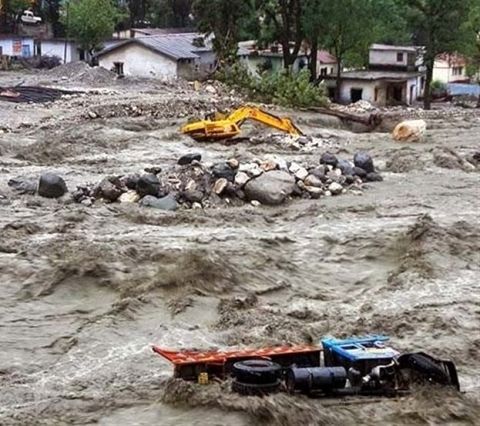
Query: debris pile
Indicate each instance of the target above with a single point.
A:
(81, 72)
(192, 184)
(165, 108)
(32, 94)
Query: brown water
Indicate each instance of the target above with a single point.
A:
(86, 291)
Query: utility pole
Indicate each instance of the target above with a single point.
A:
(66, 35)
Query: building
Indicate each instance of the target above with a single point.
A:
(66, 50)
(450, 68)
(186, 55)
(392, 78)
(143, 32)
(17, 46)
(326, 63)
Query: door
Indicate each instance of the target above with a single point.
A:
(356, 94)
(26, 51)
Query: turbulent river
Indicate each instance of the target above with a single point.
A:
(86, 291)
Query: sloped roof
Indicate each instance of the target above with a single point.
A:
(453, 59)
(326, 57)
(377, 46)
(175, 46)
(161, 31)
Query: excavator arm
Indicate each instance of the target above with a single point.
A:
(230, 126)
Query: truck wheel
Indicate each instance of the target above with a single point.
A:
(249, 389)
(256, 371)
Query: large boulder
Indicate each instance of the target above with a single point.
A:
(148, 185)
(164, 203)
(188, 158)
(270, 188)
(329, 159)
(223, 170)
(410, 131)
(51, 186)
(107, 190)
(364, 161)
(24, 185)
(346, 167)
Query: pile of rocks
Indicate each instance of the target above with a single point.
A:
(193, 184)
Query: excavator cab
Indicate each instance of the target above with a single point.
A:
(220, 127)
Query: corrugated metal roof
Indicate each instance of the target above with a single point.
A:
(174, 47)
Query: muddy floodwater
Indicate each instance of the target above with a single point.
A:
(85, 291)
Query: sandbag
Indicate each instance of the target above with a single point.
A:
(410, 131)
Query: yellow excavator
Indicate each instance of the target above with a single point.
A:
(225, 127)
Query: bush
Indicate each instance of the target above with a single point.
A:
(439, 88)
(41, 62)
(282, 88)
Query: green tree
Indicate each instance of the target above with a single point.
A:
(439, 26)
(225, 20)
(285, 21)
(90, 22)
(348, 29)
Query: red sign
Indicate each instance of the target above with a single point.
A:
(17, 47)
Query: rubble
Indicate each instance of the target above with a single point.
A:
(81, 72)
(197, 185)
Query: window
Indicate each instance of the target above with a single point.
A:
(323, 71)
(399, 57)
(457, 70)
(1, 50)
(118, 68)
(331, 70)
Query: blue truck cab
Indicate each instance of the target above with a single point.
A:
(361, 353)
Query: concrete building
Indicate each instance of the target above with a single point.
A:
(450, 68)
(169, 56)
(380, 87)
(17, 46)
(401, 58)
(326, 63)
(66, 50)
(392, 78)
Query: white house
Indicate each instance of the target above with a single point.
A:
(65, 50)
(402, 58)
(326, 63)
(186, 55)
(392, 78)
(16, 46)
(450, 68)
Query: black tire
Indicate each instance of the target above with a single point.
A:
(425, 366)
(249, 389)
(256, 371)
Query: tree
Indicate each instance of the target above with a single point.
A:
(348, 29)
(439, 27)
(170, 13)
(90, 22)
(51, 11)
(13, 10)
(224, 19)
(312, 28)
(286, 18)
